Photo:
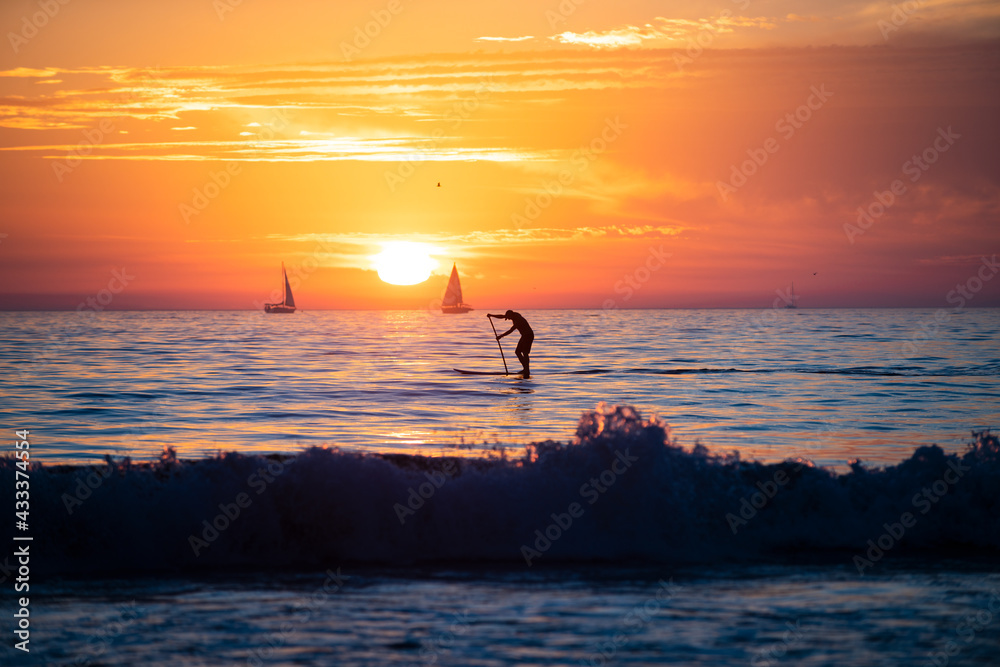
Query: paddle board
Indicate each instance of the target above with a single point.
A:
(465, 372)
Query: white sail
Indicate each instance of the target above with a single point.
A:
(453, 295)
(289, 300)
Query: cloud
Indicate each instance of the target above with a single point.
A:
(416, 87)
(391, 109)
(610, 39)
(504, 39)
(27, 72)
(662, 32)
(795, 18)
(342, 111)
(490, 238)
(354, 250)
(400, 149)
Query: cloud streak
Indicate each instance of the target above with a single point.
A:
(505, 39)
(290, 150)
(490, 238)
(662, 32)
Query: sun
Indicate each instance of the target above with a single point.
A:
(405, 262)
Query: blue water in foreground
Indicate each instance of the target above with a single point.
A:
(443, 530)
(755, 616)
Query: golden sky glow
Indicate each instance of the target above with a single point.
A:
(636, 154)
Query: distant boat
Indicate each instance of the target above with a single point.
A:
(287, 304)
(792, 298)
(452, 301)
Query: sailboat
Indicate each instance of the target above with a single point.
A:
(452, 301)
(792, 298)
(287, 304)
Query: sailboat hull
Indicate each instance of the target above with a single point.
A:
(456, 310)
(278, 309)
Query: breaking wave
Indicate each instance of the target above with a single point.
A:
(619, 491)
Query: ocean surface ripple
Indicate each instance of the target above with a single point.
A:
(827, 385)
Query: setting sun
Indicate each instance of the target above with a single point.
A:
(405, 262)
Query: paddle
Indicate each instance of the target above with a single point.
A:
(498, 345)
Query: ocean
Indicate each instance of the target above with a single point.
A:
(718, 487)
(827, 385)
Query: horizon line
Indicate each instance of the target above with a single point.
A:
(484, 309)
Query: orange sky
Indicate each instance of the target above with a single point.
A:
(636, 154)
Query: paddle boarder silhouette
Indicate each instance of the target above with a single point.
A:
(520, 325)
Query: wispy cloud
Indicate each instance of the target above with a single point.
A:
(27, 72)
(399, 149)
(661, 32)
(342, 111)
(355, 250)
(423, 87)
(480, 239)
(504, 39)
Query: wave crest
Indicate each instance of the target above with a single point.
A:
(620, 491)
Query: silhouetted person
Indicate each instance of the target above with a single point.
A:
(520, 325)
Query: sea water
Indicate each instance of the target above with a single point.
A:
(333, 493)
(828, 385)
